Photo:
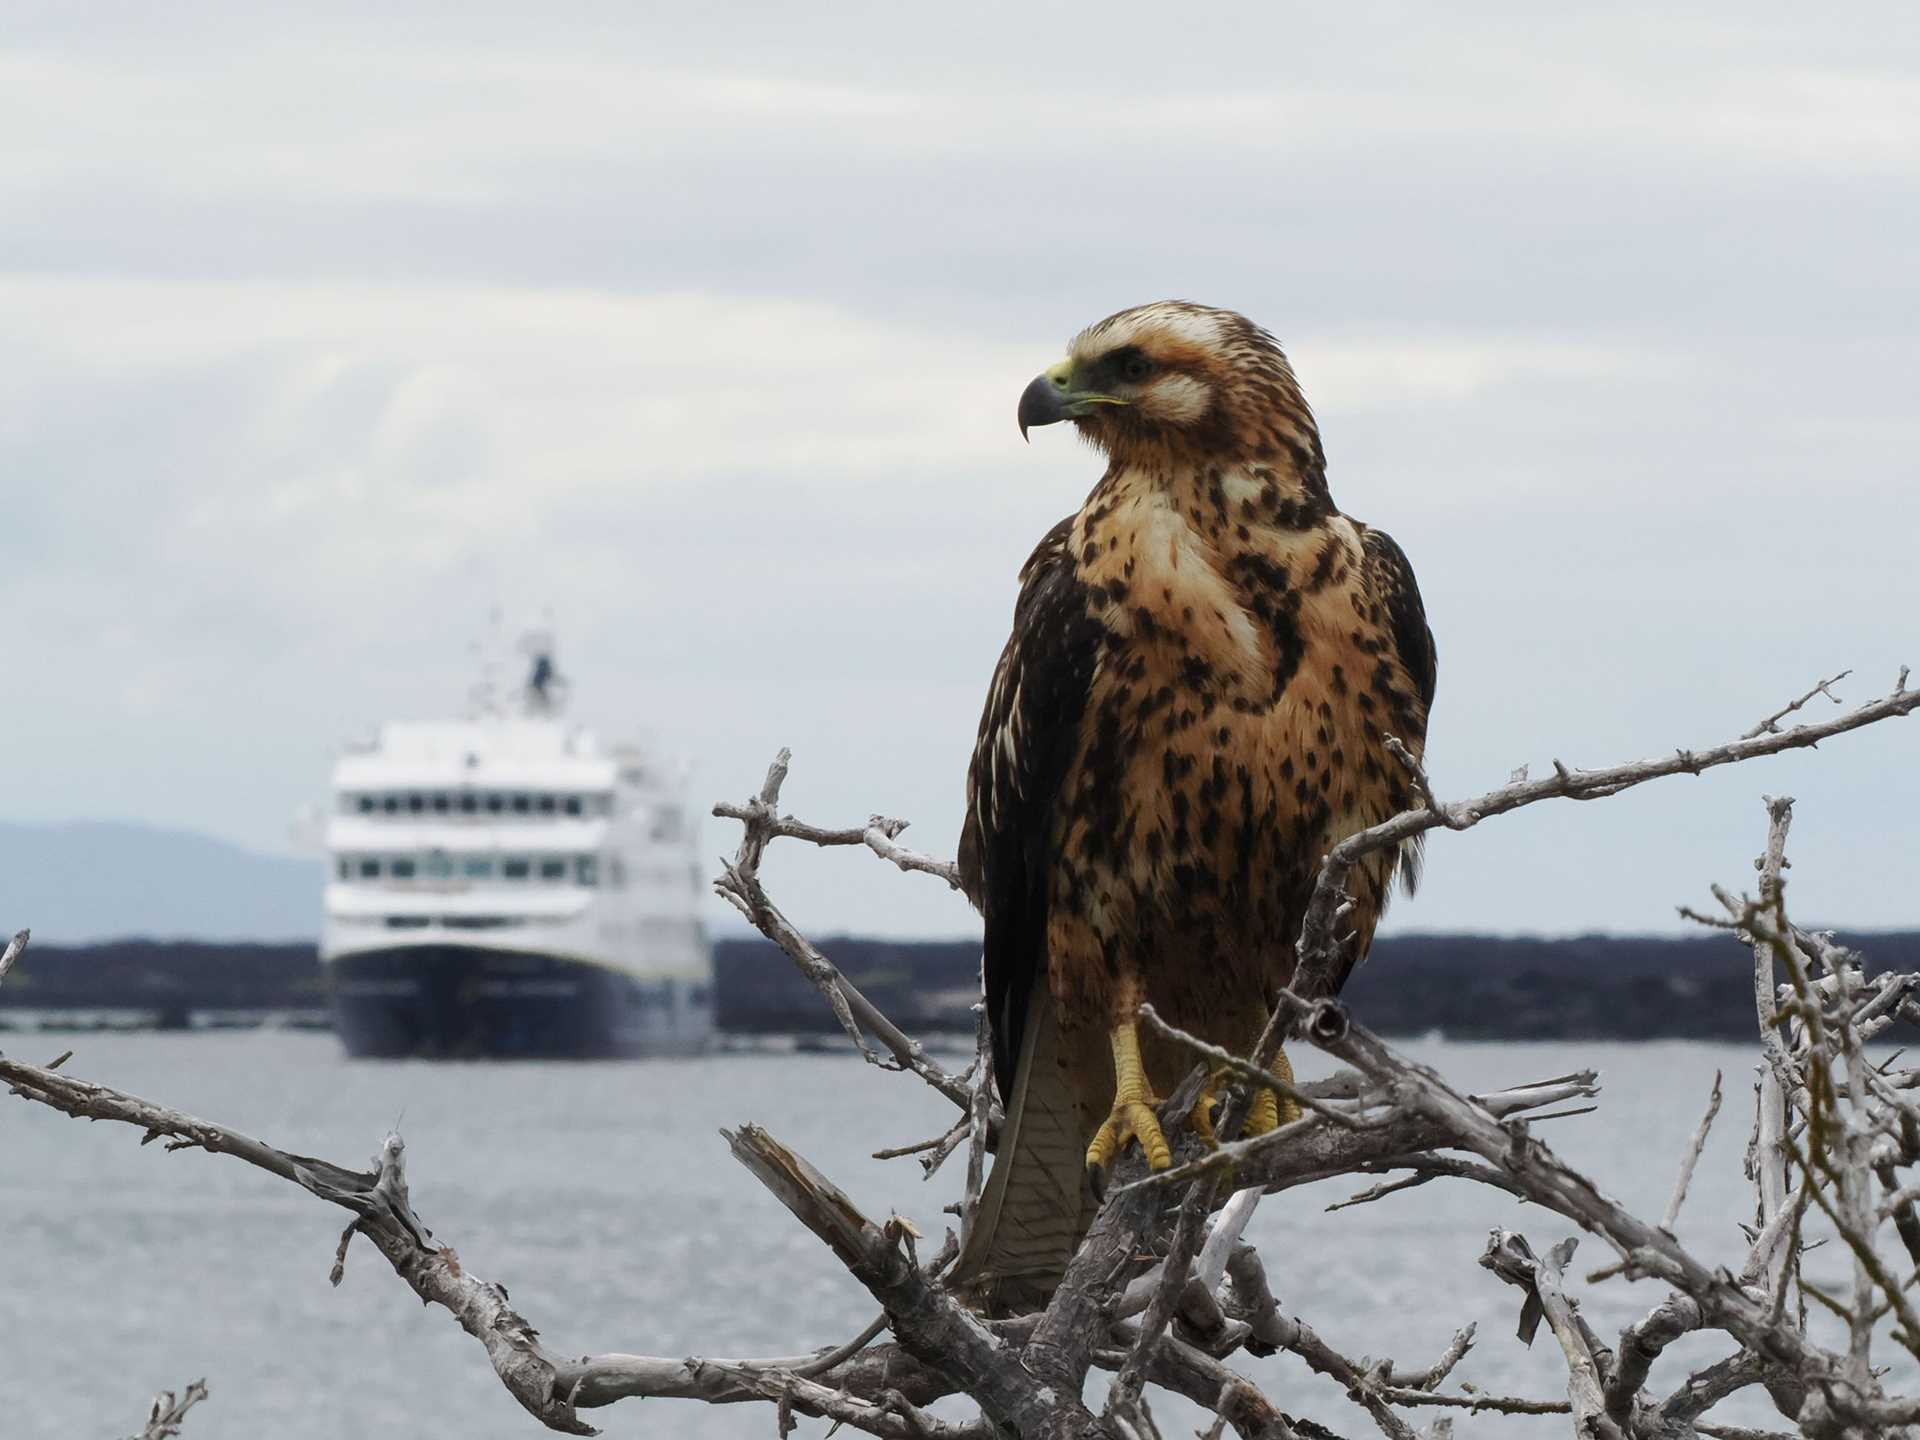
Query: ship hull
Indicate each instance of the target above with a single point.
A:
(439, 1001)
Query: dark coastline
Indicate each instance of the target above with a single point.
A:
(1467, 987)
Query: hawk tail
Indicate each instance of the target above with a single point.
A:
(1032, 1212)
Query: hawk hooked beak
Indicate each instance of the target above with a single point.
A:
(1052, 398)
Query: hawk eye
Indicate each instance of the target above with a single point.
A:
(1134, 366)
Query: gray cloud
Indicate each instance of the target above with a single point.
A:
(325, 336)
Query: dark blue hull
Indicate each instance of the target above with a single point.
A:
(460, 1002)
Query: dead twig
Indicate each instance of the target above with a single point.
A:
(1692, 1158)
(169, 1409)
(16, 947)
(1320, 948)
(739, 884)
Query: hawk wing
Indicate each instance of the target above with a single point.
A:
(1031, 1214)
(1396, 588)
(1029, 732)
(1390, 579)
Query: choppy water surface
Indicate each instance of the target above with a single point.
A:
(603, 1197)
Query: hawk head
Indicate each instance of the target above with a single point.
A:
(1175, 380)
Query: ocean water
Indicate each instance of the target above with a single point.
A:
(603, 1197)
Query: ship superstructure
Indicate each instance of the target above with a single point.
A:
(505, 886)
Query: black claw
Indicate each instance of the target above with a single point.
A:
(1097, 1183)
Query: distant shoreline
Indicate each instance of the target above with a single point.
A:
(1467, 987)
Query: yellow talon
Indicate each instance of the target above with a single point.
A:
(1132, 1116)
(1200, 1118)
(1270, 1111)
(1265, 1114)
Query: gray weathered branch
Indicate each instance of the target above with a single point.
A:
(878, 835)
(168, 1412)
(551, 1387)
(15, 948)
(1321, 948)
(740, 884)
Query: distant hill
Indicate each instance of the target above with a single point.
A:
(166, 979)
(223, 927)
(1466, 986)
(103, 880)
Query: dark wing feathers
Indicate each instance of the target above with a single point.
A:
(1393, 585)
(1396, 588)
(1029, 732)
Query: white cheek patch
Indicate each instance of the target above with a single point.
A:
(1176, 399)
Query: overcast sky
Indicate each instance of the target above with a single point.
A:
(702, 329)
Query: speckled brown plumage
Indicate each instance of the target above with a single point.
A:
(1205, 663)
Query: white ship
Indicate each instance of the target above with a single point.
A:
(505, 886)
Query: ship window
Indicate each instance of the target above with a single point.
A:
(553, 868)
(416, 803)
(440, 804)
(496, 803)
(587, 869)
(391, 804)
(439, 867)
(518, 868)
(402, 867)
(469, 803)
(522, 804)
(545, 804)
(370, 868)
(367, 804)
(406, 922)
(571, 805)
(477, 867)
(340, 869)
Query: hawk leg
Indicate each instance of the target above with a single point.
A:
(1132, 1116)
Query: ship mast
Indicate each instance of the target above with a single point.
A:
(544, 692)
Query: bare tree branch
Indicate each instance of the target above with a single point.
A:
(1767, 1153)
(1510, 1257)
(548, 1386)
(1423, 1169)
(740, 884)
(877, 835)
(930, 1323)
(378, 1198)
(1770, 725)
(1692, 1158)
(1707, 1388)
(169, 1410)
(1321, 949)
(16, 947)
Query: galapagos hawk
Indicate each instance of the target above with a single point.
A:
(1206, 663)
